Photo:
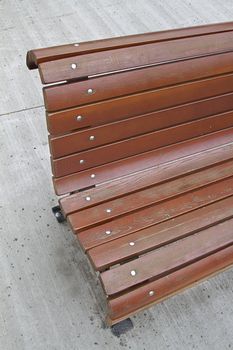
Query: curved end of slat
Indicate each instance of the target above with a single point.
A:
(31, 60)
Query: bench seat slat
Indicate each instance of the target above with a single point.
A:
(143, 179)
(134, 57)
(75, 94)
(150, 216)
(34, 57)
(138, 298)
(140, 144)
(137, 104)
(70, 143)
(150, 196)
(140, 162)
(118, 250)
(168, 258)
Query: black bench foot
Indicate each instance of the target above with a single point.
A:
(58, 214)
(122, 327)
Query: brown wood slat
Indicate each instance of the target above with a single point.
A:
(140, 162)
(34, 57)
(64, 96)
(137, 299)
(140, 144)
(157, 264)
(156, 214)
(150, 196)
(133, 57)
(138, 243)
(149, 177)
(67, 144)
(137, 104)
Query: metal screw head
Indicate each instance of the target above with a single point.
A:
(88, 198)
(76, 44)
(73, 65)
(108, 210)
(90, 91)
(81, 161)
(92, 176)
(151, 293)
(91, 138)
(132, 243)
(79, 118)
(133, 273)
(108, 232)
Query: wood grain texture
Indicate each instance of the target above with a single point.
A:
(153, 215)
(167, 110)
(150, 196)
(74, 94)
(120, 250)
(140, 144)
(144, 179)
(140, 162)
(167, 286)
(34, 57)
(138, 104)
(77, 141)
(133, 57)
(157, 264)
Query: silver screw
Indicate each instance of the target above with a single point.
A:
(92, 176)
(133, 273)
(131, 243)
(108, 210)
(90, 91)
(76, 44)
(91, 138)
(73, 65)
(81, 161)
(151, 293)
(79, 118)
(108, 232)
(88, 198)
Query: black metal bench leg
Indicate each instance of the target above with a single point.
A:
(122, 327)
(58, 214)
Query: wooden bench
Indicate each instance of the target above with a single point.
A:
(141, 142)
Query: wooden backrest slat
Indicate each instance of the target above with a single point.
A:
(34, 57)
(134, 57)
(123, 167)
(81, 140)
(60, 97)
(137, 104)
(140, 144)
(121, 101)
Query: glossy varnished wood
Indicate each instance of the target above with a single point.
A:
(77, 141)
(137, 104)
(141, 142)
(34, 57)
(75, 94)
(168, 258)
(138, 298)
(144, 179)
(132, 57)
(127, 166)
(152, 215)
(119, 250)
